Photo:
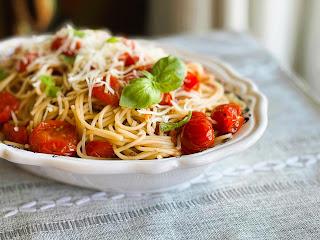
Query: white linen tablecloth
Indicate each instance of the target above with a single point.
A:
(271, 191)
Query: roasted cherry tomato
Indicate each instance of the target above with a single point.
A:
(128, 59)
(197, 135)
(166, 99)
(191, 82)
(54, 137)
(26, 60)
(59, 41)
(107, 97)
(8, 103)
(102, 149)
(227, 118)
(15, 134)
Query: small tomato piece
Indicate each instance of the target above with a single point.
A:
(108, 98)
(191, 82)
(8, 103)
(166, 99)
(102, 149)
(197, 135)
(54, 137)
(228, 118)
(59, 41)
(25, 61)
(128, 59)
(15, 134)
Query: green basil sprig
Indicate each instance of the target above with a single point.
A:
(169, 72)
(69, 60)
(140, 93)
(165, 127)
(3, 74)
(78, 33)
(167, 75)
(112, 40)
(51, 89)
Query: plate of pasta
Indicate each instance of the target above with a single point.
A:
(107, 112)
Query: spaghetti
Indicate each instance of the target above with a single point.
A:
(78, 77)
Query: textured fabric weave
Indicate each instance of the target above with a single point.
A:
(271, 191)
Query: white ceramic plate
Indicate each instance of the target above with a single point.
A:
(138, 176)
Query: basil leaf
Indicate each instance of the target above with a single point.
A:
(140, 93)
(169, 72)
(3, 74)
(112, 40)
(51, 89)
(147, 74)
(78, 33)
(68, 60)
(165, 127)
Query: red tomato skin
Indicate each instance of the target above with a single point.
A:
(107, 97)
(228, 118)
(197, 135)
(54, 137)
(128, 59)
(191, 82)
(27, 59)
(102, 149)
(8, 103)
(166, 99)
(19, 136)
(59, 41)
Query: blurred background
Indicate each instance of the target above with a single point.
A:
(288, 28)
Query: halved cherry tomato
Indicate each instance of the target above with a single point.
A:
(8, 103)
(59, 41)
(191, 82)
(228, 118)
(197, 135)
(54, 137)
(166, 99)
(18, 134)
(107, 97)
(128, 59)
(26, 60)
(102, 149)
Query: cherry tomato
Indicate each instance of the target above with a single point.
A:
(107, 97)
(59, 41)
(228, 118)
(54, 137)
(197, 135)
(128, 59)
(102, 149)
(191, 82)
(166, 99)
(27, 59)
(18, 135)
(8, 103)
